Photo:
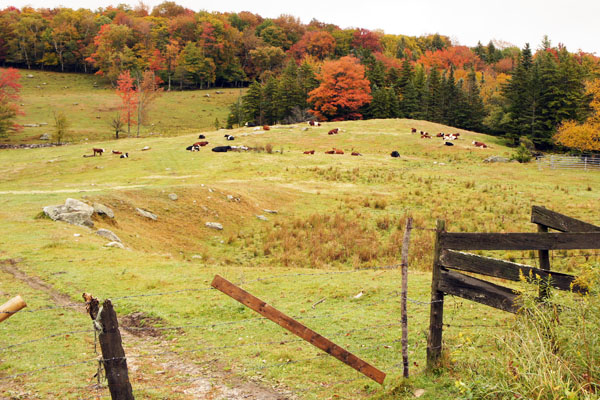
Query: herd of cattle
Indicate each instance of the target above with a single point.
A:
(446, 137)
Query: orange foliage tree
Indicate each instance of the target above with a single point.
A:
(127, 93)
(9, 95)
(342, 91)
(318, 44)
(584, 136)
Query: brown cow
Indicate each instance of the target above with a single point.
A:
(480, 144)
(356, 153)
(413, 130)
(333, 131)
(98, 151)
(266, 127)
(330, 152)
(117, 152)
(201, 144)
(338, 151)
(309, 152)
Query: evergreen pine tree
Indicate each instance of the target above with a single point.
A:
(252, 104)
(270, 101)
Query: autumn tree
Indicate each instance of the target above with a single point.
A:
(342, 91)
(9, 95)
(584, 136)
(146, 92)
(127, 93)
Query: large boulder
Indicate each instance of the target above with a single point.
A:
(73, 211)
(115, 244)
(101, 209)
(108, 234)
(496, 159)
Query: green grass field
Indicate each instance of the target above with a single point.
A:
(336, 213)
(90, 103)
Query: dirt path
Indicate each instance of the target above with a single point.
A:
(206, 383)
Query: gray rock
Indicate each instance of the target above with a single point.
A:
(173, 196)
(304, 129)
(101, 209)
(197, 257)
(214, 225)
(73, 212)
(45, 136)
(496, 159)
(108, 234)
(262, 217)
(115, 244)
(146, 214)
(270, 211)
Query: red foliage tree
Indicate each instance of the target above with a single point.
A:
(366, 39)
(128, 95)
(9, 95)
(342, 91)
(318, 44)
(457, 56)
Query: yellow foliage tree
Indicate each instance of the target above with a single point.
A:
(584, 136)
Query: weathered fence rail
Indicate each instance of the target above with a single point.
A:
(448, 261)
(569, 162)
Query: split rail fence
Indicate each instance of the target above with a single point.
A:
(448, 260)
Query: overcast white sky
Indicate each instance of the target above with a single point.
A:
(575, 23)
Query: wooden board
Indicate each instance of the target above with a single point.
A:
(560, 222)
(474, 289)
(505, 269)
(297, 328)
(520, 241)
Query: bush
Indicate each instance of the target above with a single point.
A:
(522, 155)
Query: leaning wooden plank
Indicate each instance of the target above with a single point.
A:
(506, 270)
(520, 241)
(560, 222)
(474, 289)
(297, 328)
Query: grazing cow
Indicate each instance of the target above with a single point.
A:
(266, 128)
(440, 135)
(413, 130)
(201, 137)
(395, 154)
(126, 155)
(97, 151)
(116, 152)
(201, 144)
(309, 152)
(193, 148)
(422, 133)
(330, 152)
(230, 137)
(333, 131)
(425, 136)
(339, 151)
(480, 144)
(221, 149)
(449, 137)
(356, 153)
(457, 134)
(449, 144)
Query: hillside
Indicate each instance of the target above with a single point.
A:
(89, 103)
(335, 213)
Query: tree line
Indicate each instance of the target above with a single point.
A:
(496, 88)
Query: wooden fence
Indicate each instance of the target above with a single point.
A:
(569, 162)
(575, 234)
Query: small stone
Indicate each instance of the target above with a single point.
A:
(197, 257)
(304, 129)
(173, 196)
(115, 244)
(45, 136)
(270, 211)
(495, 159)
(419, 392)
(211, 190)
(77, 234)
(108, 235)
(214, 225)
(262, 217)
(146, 214)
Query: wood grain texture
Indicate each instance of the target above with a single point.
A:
(297, 328)
(560, 222)
(436, 310)
(483, 292)
(520, 241)
(506, 270)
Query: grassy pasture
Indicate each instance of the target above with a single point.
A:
(90, 103)
(335, 213)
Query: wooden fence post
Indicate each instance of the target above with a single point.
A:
(544, 256)
(404, 264)
(436, 314)
(113, 355)
(10, 307)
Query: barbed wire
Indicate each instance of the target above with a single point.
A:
(3, 349)
(49, 367)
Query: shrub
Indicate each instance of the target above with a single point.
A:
(522, 155)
